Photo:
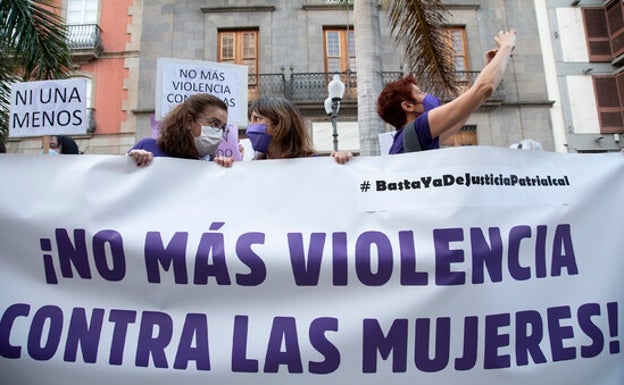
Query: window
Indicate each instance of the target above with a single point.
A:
(81, 19)
(466, 136)
(457, 39)
(604, 31)
(339, 50)
(241, 47)
(615, 19)
(340, 57)
(81, 12)
(610, 102)
(90, 107)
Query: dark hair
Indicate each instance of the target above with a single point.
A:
(68, 145)
(288, 127)
(389, 101)
(175, 136)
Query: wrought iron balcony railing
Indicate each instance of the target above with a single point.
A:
(464, 80)
(311, 87)
(266, 85)
(85, 41)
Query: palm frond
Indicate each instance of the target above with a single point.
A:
(419, 25)
(38, 38)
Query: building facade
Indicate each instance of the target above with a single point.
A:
(104, 40)
(293, 48)
(563, 87)
(583, 42)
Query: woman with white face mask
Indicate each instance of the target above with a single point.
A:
(192, 130)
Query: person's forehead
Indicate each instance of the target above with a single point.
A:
(215, 112)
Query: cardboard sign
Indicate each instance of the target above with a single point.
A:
(49, 107)
(178, 79)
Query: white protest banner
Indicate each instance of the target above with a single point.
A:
(177, 79)
(299, 271)
(48, 107)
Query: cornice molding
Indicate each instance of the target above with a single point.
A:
(325, 7)
(269, 8)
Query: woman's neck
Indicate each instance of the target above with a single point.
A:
(273, 152)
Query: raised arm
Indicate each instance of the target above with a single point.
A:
(454, 113)
(489, 55)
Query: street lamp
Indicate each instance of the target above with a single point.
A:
(335, 89)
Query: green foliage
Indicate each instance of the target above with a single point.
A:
(32, 47)
(419, 24)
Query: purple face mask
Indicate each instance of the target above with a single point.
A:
(258, 137)
(430, 102)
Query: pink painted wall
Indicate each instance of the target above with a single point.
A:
(108, 70)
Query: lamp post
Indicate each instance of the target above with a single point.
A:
(335, 89)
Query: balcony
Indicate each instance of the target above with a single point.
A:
(266, 85)
(311, 87)
(84, 42)
(465, 79)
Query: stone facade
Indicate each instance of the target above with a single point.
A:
(291, 41)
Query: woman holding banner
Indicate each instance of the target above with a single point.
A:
(192, 130)
(277, 131)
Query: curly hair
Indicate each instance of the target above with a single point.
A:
(389, 101)
(288, 127)
(175, 136)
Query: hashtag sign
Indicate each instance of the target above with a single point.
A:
(365, 186)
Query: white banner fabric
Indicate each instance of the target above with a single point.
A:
(468, 265)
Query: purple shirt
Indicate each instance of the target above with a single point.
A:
(150, 144)
(421, 125)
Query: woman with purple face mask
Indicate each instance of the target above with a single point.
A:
(420, 119)
(276, 130)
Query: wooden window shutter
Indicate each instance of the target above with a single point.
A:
(615, 18)
(610, 100)
(466, 136)
(597, 34)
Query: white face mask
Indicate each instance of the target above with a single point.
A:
(208, 140)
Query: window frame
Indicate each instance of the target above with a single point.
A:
(240, 56)
(604, 31)
(346, 54)
(465, 136)
(609, 94)
(464, 48)
(76, 12)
